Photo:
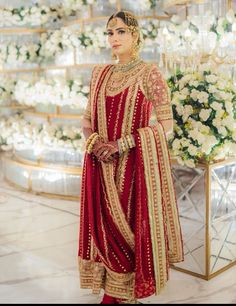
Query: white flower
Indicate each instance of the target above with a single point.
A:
(194, 83)
(211, 78)
(192, 150)
(222, 130)
(229, 122)
(205, 114)
(203, 97)
(176, 144)
(212, 89)
(216, 106)
(194, 94)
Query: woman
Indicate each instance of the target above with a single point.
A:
(129, 228)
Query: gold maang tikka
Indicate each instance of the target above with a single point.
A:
(113, 22)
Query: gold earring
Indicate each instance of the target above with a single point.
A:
(135, 51)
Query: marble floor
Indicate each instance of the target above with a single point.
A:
(38, 258)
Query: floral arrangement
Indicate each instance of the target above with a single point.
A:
(55, 91)
(225, 24)
(147, 4)
(16, 131)
(6, 89)
(93, 39)
(204, 109)
(36, 15)
(70, 6)
(57, 41)
(15, 54)
(54, 42)
(149, 31)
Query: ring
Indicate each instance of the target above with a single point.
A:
(105, 152)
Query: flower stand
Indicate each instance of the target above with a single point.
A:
(206, 197)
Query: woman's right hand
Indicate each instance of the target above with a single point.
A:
(105, 152)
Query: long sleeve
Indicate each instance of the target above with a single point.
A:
(87, 112)
(158, 92)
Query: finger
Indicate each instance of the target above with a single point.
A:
(106, 154)
(100, 150)
(97, 148)
(109, 157)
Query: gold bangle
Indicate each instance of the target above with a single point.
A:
(130, 141)
(89, 140)
(123, 146)
(92, 143)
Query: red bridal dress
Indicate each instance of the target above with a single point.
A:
(129, 225)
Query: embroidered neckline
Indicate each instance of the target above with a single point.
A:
(126, 67)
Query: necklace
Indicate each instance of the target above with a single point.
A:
(126, 67)
(123, 75)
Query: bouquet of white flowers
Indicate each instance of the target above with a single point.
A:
(204, 109)
(36, 15)
(16, 131)
(56, 91)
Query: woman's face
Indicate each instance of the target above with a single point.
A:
(120, 38)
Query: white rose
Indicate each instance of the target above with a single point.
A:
(217, 122)
(212, 89)
(192, 150)
(176, 144)
(194, 94)
(211, 78)
(205, 114)
(203, 97)
(194, 83)
(180, 109)
(229, 122)
(216, 106)
(222, 130)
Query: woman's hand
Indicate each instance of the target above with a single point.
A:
(105, 151)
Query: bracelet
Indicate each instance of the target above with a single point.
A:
(130, 141)
(90, 139)
(92, 143)
(122, 145)
(120, 151)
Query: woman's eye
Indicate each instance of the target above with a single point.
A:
(109, 34)
(121, 32)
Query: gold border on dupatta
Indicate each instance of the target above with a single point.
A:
(108, 170)
(173, 223)
(153, 184)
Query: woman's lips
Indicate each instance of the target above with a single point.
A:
(116, 46)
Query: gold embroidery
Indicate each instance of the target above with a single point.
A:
(108, 171)
(172, 222)
(154, 206)
(158, 92)
(119, 81)
(93, 275)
